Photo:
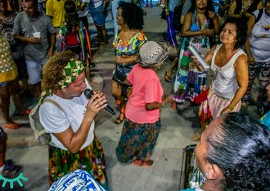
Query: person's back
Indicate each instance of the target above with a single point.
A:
(145, 86)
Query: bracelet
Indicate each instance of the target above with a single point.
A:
(230, 107)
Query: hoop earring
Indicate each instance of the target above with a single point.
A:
(204, 178)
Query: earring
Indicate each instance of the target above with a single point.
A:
(204, 178)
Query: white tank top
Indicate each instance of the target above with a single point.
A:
(225, 83)
(260, 38)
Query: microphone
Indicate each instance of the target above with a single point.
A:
(89, 93)
(198, 56)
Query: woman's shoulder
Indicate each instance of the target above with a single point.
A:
(241, 59)
(139, 34)
(241, 53)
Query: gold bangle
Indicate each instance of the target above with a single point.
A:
(230, 107)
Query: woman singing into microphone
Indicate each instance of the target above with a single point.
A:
(73, 142)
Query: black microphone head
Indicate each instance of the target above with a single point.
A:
(88, 93)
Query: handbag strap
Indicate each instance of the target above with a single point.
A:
(230, 57)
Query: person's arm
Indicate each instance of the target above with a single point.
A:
(232, 9)
(207, 58)
(186, 28)
(241, 69)
(49, 11)
(156, 105)
(259, 6)
(127, 82)
(105, 5)
(166, 3)
(20, 6)
(31, 40)
(214, 17)
(251, 23)
(52, 39)
(17, 32)
(126, 59)
(82, 6)
(74, 140)
(186, 7)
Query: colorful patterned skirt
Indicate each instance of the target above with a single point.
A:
(214, 105)
(91, 159)
(188, 85)
(137, 140)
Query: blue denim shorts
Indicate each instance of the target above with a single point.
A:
(98, 16)
(34, 71)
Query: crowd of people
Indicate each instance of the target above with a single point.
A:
(52, 50)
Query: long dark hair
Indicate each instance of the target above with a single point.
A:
(209, 7)
(240, 147)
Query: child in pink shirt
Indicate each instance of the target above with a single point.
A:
(142, 124)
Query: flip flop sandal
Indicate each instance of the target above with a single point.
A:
(11, 126)
(148, 163)
(174, 105)
(120, 119)
(138, 162)
(167, 77)
(142, 163)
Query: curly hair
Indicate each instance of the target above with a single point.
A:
(240, 147)
(52, 72)
(132, 14)
(241, 31)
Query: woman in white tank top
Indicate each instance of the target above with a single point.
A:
(230, 81)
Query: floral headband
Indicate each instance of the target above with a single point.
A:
(71, 71)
